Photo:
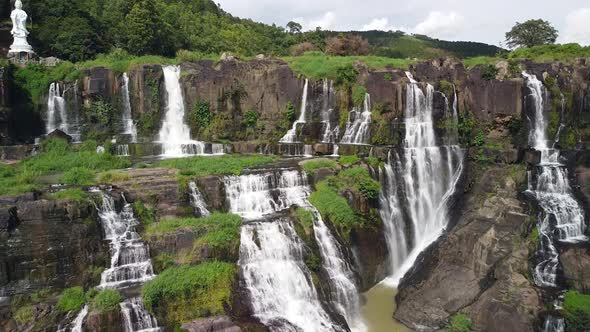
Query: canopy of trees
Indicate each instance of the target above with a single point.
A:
(78, 30)
(531, 33)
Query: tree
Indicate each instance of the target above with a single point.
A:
(294, 27)
(142, 28)
(345, 44)
(531, 33)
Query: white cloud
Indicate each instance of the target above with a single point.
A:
(381, 24)
(325, 21)
(436, 24)
(577, 27)
(439, 24)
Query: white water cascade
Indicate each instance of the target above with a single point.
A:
(175, 134)
(56, 110)
(291, 136)
(359, 123)
(330, 133)
(123, 150)
(197, 201)
(422, 181)
(562, 218)
(79, 320)
(136, 318)
(272, 255)
(128, 124)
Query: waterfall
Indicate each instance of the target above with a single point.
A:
(291, 136)
(130, 259)
(422, 181)
(358, 126)
(175, 135)
(197, 201)
(136, 317)
(129, 126)
(272, 255)
(56, 110)
(329, 134)
(562, 217)
(123, 150)
(77, 323)
(554, 324)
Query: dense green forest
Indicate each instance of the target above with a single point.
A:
(78, 30)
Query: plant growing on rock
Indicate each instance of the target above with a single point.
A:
(106, 300)
(72, 299)
(577, 311)
(460, 323)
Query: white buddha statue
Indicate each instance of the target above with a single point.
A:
(19, 30)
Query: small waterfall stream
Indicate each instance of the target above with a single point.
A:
(56, 110)
(197, 201)
(291, 136)
(175, 134)
(272, 255)
(562, 218)
(417, 186)
(128, 124)
(359, 124)
(330, 132)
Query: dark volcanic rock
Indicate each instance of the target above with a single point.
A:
(212, 324)
(576, 268)
(479, 267)
(111, 321)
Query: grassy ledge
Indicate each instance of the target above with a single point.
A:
(221, 165)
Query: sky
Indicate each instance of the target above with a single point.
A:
(474, 20)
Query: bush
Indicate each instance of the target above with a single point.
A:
(250, 119)
(147, 215)
(489, 72)
(79, 176)
(201, 115)
(72, 299)
(349, 160)
(24, 315)
(106, 300)
(346, 75)
(356, 178)
(313, 165)
(577, 311)
(334, 207)
(346, 44)
(302, 48)
(188, 292)
(358, 94)
(305, 217)
(460, 323)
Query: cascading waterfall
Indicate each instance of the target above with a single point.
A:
(56, 110)
(79, 320)
(123, 150)
(128, 124)
(291, 136)
(197, 201)
(359, 123)
(272, 255)
(562, 217)
(175, 135)
(330, 133)
(427, 175)
(136, 317)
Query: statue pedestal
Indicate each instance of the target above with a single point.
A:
(20, 45)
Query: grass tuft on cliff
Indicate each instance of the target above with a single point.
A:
(460, 323)
(313, 165)
(180, 294)
(220, 231)
(334, 207)
(219, 165)
(72, 299)
(577, 311)
(106, 300)
(318, 65)
(75, 194)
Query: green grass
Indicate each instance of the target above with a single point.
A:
(459, 323)
(220, 231)
(348, 160)
(78, 163)
(221, 165)
(577, 311)
(35, 79)
(72, 299)
(480, 60)
(334, 207)
(358, 179)
(24, 315)
(185, 293)
(313, 165)
(318, 65)
(75, 194)
(305, 217)
(106, 300)
(550, 53)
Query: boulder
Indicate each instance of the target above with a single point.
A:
(575, 262)
(212, 324)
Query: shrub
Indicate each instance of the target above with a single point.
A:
(356, 178)
(106, 300)
(313, 165)
(101, 112)
(302, 48)
(189, 292)
(201, 115)
(250, 119)
(577, 311)
(346, 75)
(346, 44)
(80, 176)
(24, 315)
(147, 215)
(72, 299)
(334, 207)
(489, 72)
(305, 217)
(479, 139)
(460, 323)
(290, 114)
(358, 94)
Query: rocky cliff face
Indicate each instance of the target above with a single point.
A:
(481, 266)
